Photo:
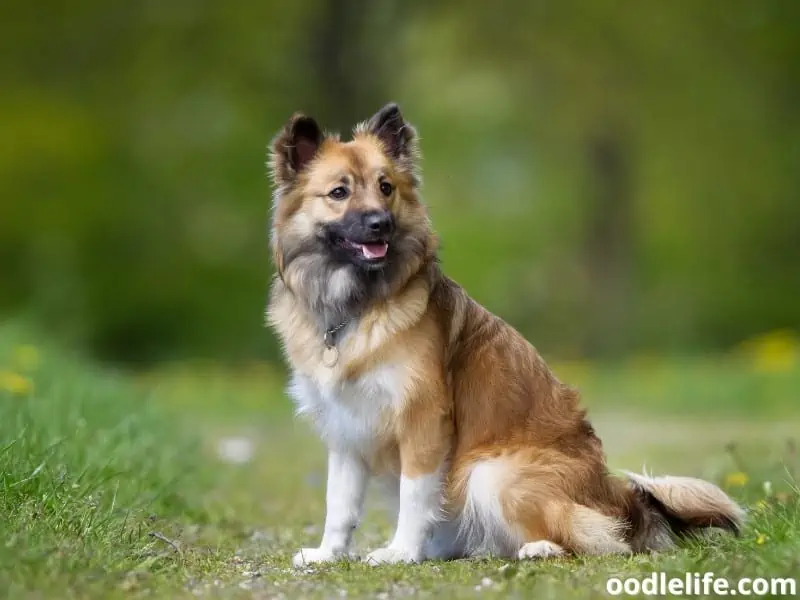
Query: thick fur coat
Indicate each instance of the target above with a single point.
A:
(403, 375)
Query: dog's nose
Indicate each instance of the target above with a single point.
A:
(378, 222)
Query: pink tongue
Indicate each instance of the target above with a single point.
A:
(374, 250)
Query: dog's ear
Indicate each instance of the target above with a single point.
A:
(395, 133)
(293, 148)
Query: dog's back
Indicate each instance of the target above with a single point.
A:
(528, 466)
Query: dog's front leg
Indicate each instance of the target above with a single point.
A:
(344, 498)
(420, 500)
(423, 456)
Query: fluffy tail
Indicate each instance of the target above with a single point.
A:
(665, 508)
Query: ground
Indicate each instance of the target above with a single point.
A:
(195, 481)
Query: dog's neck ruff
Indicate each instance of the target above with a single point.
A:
(331, 354)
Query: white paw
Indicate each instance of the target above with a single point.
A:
(311, 556)
(388, 556)
(540, 549)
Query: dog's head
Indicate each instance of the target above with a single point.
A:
(348, 222)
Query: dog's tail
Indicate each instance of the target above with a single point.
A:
(663, 509)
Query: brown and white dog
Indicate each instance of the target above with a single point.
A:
(405, 376)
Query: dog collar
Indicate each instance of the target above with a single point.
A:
(330, 356)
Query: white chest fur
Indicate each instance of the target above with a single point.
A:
(351, 415)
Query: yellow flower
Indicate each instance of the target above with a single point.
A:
(773, 352)
(761, 539)
(761, 505)
(15, 383)
(26, 357)
(737, 479)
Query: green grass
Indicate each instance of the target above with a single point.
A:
(87, 466)
(114, 486)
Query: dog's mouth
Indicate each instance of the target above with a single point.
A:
(369, 253)
(367, 250)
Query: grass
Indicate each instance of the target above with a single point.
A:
(115, 486)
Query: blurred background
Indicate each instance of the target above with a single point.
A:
(619, 180)
(614, 179)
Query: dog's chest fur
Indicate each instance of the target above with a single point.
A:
(355, 404)
(354, 415)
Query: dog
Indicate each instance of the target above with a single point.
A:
(404, 376)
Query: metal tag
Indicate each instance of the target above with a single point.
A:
(330, 356)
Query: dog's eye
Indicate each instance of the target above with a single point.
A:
(338, 193)
(386, 188)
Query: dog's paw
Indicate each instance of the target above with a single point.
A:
(313, 556)
(540, 549)
(389, 556)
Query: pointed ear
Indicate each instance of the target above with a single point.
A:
(398, 136)
(293, 148)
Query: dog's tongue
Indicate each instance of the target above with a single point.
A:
(374, 250)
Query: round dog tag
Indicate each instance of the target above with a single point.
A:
(330, 356)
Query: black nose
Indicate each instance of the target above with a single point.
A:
(378, 222)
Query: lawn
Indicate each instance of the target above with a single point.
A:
(196, 481)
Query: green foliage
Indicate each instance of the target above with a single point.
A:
(606, 176)
(87, 468)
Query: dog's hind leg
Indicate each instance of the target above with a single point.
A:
(518, 505)
(575, 528)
